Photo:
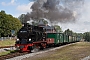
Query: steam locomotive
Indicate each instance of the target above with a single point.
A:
(40, 37)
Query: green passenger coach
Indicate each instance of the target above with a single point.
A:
(55, 36)
(60, 38)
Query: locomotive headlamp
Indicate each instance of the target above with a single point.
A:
(17, 39)
(29, 39)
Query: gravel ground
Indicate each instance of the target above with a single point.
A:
(37, 53)
(46, 52)
(86, 58)
(79, 51)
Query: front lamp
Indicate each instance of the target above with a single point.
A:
(29, 39)
(17, 39)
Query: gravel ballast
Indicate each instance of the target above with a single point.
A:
(36, 53)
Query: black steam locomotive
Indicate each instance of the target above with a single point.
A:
(30, 37)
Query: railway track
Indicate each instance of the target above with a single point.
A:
(6, 47)
(11, 55)
(16, 53)
(22, 56)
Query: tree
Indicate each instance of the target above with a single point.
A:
(8, 23)
(22, 18)
(86, 36)
(68, 32)
(58, 28)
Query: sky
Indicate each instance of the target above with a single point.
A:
(15, 7)
(82, 24)
(18, 7)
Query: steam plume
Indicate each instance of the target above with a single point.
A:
(56, 10)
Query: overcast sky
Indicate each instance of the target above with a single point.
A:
(18, 7)
(82, 24)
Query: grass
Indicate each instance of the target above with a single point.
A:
(7, 52)
(4, 53)
(7, 43)
(73, 52)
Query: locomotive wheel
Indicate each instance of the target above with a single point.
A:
(30, 48)
(42, 46)
(20, 51)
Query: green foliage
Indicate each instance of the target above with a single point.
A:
(58, 28)
(45, 22)
(86, 36)
(8, 23)
(22, 18)
(68, 32)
